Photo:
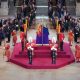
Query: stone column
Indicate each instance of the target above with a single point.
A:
(4, 8)
(78, 8)
(71, 6)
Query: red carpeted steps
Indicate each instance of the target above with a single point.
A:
(43, 52)
(42, 63)
(37, 54)
(42, 57)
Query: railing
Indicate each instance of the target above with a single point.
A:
(47, 6)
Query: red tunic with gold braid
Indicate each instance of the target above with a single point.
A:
(7, 51)
(77, 51)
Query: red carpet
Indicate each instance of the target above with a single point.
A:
(42, 57)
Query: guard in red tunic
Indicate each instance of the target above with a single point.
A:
(77, 52)
(14, 37)
(70, 37)
(29, 52)
(7, 52)
(61, 38)
(22, 37)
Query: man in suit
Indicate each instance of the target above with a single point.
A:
(14, 2)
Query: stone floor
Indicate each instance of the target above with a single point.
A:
(10, 71)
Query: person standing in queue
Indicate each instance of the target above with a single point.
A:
(8, 33)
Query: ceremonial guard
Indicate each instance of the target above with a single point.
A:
(29, 52)
(30, 49)
(53, 54)
(7, 52)
(77, 53)
(54, 47)
(70, 37)
(61, 38)
(22, 37)
(14, 37)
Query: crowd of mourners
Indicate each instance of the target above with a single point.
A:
(26, 13)
(27, 10)
(67, 22)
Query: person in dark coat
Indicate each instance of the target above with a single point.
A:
(18, 16)
(26, 2)
(76, 33)
(1, 35)
(0, 22)
(14, 1)
(31, 18)
(8, 34)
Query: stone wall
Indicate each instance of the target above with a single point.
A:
(71, 6)
(78, 9)
(4, 8)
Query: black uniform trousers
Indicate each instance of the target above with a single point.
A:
(30, 56)
(53, 56)
(0, 42)
(76, 37)
(22, 44)
(8, 36)
(61, 45)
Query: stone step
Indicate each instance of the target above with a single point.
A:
(42, 3)
(24, 55)
(42, 11)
